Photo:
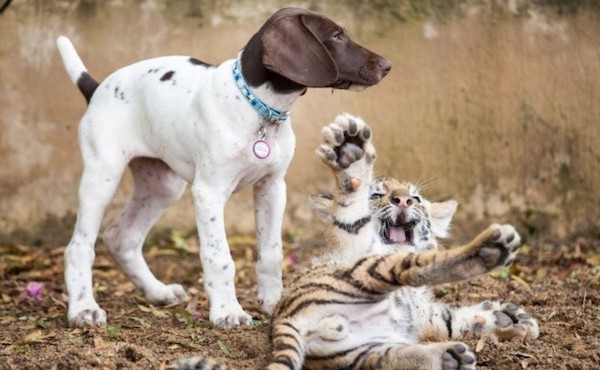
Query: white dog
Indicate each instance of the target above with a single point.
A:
(221, 128)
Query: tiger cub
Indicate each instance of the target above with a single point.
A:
(365, 303)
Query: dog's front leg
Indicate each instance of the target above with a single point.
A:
(217, 264)
(269, 208)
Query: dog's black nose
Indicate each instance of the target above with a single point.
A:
(385, 65)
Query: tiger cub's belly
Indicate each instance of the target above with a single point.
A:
(343, 327)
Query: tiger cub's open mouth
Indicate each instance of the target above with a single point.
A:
(398, 233)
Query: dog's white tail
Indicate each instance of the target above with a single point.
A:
(75, 68)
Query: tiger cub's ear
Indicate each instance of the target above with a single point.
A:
(322, 204)
(440, 214)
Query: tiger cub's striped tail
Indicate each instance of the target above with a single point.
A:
(288, 347)
(200, 363)
(288, 352)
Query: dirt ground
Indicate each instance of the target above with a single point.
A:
(559, 285)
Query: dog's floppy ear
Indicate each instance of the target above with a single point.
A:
(292, 50)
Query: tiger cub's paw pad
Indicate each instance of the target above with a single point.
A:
(501, 246)
(346, 140)
(458, 357)
(512, 321)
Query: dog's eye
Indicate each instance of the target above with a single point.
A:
(417, 198)
(337, 35)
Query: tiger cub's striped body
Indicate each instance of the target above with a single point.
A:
(365, 304)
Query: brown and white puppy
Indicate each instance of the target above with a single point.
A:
(176, 120)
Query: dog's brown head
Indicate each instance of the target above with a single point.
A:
(309, 50)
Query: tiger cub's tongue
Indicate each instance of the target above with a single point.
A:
(397, 234)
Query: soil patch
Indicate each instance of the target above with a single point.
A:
(559, 285)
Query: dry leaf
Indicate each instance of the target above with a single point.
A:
(593, 260)
(525, 359)
(541, 273)
(59, 302)
(156, 312)
(144, 308)
(98, 342)
(163, 314)
(241, 239)
(522, 283)
(224, 348)
(143, 323)
(124, 288)
(158, 252)
(34, 337)
(480, 344)
(486, 338)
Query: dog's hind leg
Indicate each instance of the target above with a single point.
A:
(98, 185)
(156, 187)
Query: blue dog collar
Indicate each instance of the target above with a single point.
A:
(269, 114)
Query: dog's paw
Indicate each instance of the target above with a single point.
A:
(268, 305)
(269, 293)
(87, 317)
(225, 318)
(498, 246)
(457, 357)
(167, 295)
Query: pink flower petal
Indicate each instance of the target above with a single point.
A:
(33, 290)
(292, 258)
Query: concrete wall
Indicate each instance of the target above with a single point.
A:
(493, 103)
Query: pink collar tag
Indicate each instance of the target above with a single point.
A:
(261, 149)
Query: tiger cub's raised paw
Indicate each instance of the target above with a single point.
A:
(348, 151)
(498, 246)
(346, 140)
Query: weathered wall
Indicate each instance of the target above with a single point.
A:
(493, 103)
